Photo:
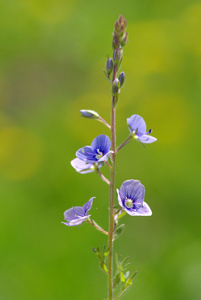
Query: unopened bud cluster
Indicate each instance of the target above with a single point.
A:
(120, 36)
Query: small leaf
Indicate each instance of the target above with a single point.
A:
(105, 254)
(119, 231)
(104, 267)
(130, 280)
(121, 215)
(117, 260)
(122, 277)
(125, 261)
(98, 253)
(106, 75)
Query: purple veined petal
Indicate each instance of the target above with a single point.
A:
(69, 214)
(132, 189)
(101, 142)
(119, 198)
(79, 211)
(87, 154)
(87, 206)
(81, 166)
(136, 122)
(147, 139)
(76, 221)
(143, 211)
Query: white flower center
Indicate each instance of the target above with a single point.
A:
(128, 203)
(99, 155)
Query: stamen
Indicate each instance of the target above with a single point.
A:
(99, 155)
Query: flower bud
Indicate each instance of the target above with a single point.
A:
(115, 87)
(124, 39)
(109, 66)
(117, 56)
(122, 77)
(90, 114)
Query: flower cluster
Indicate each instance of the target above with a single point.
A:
(91, 158)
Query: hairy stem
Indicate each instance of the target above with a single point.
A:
(112, 189)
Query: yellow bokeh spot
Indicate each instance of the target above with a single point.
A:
(49, 11)
(20, 153)
(149, 50)
(191, 28)
(170, 118)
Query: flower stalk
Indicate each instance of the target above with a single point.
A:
(112, 190)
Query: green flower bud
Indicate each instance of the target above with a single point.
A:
(115, 87)
(90, 114)
(117, 56)
(109, 66)
(122, 77)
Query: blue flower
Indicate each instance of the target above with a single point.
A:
(98, 151)
(137, 127)
(78, 214)
(131, 198)
(82, 167)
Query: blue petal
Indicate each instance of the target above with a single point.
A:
(69, 214)
(136, 122)
(87, 206)
(79, 211)
(101, 142)
(147, 139)
(143, 211)
(132, 189)
(87, 154)
(81, 166)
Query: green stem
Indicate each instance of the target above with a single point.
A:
(124, 143)
(103, 177)
(92, 222)
(112, 189)
(104, 122)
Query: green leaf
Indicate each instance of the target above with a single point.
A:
(130, 280)
(119, 231)
(104, 267)
(106, 252)
(117, 260)
(98, 253)
(122, 277)
(125, 261)
(121, 215)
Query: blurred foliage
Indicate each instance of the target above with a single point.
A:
(51, 58)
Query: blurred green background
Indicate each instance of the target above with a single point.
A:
(51, 58)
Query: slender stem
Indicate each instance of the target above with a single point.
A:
(92, 222)
(112, 188)
(119, 295)
(108, 164)
(123, 144)
(104, 122)
(103, 177)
